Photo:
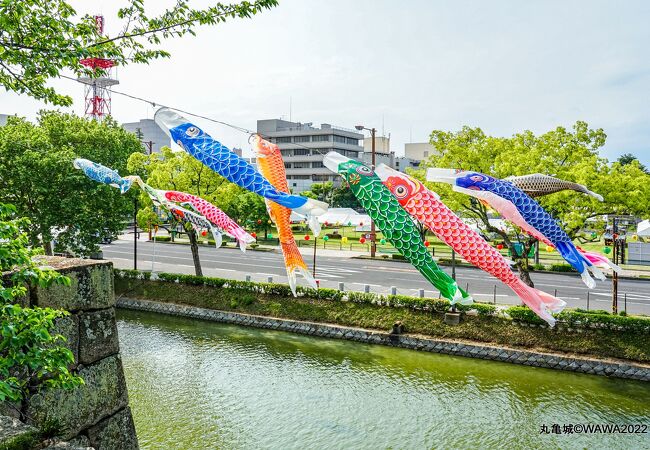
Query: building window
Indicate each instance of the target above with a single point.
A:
(320, 177)
(340, 139)
(352, 141)
(287, 165)
(302, 151)
(321, 138)
(286, 152)
(426, 153)
(302, 177)
(300, 165)
(317, 164)
(397, 164)
(301, 139)
(283, 140)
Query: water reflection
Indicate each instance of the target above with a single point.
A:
(196, 384)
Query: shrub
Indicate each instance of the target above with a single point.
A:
(163, 238)
(248, 300)
(538, 267)
(483, 309)
(398, 257)
(561, 268)
(524, 314)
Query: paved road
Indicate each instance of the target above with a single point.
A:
(380, 275)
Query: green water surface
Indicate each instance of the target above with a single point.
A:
(202, 385)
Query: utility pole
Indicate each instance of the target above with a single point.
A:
(135, 233)
(614, 274)
(314, 265)
(373, 234)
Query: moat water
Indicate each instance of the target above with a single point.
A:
(202, 385)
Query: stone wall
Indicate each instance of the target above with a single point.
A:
(619, 369)
(97, 413)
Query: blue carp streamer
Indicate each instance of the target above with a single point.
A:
(516, 206)
(226, 163)
(102, 174)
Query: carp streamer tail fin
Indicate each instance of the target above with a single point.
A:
(540, 302)
(294, 263)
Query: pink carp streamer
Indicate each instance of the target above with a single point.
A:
(426, 207)
(216, 216)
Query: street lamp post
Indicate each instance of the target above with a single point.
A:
(373, 234)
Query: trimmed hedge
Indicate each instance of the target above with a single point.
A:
(578, 318)
(162, 238)
(584, 319)
(602, 335)
(397, 301)
(560, 268)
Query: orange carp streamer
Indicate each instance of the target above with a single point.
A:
(271, 165)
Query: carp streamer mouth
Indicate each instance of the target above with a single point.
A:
(440, 175)
(168, 119)
(333, 161)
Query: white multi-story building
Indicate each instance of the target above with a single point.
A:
(303, 147)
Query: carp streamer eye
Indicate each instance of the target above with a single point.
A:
(401, 192)
(363, 170)
(192, 131)
(476, 178)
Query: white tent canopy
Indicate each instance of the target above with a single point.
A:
(643, 228)
(340, 216)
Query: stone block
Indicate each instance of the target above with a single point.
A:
(114, 433)
(74, 410)
(97, 335)
(15, 434)
(68, 327)
(91, 287)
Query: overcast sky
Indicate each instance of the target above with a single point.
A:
(405, 66)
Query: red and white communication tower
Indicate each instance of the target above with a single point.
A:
(98, 96)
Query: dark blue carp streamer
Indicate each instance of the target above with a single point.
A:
(102, 174)
(516, 206)
(228, 164)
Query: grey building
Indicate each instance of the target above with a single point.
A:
(152, 136)
(393, 161)
(384, 155)
(303, 147)
(3, 119)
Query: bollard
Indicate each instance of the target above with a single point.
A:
(587, 300)
(421, 293)
(341, 286)
(393, 290)
(555, 293)
(466, 287)
(366, 288)
(494, 295)
(269, 279)
(625, 302)
(248, 278)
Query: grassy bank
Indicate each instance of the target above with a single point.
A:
(598, 335)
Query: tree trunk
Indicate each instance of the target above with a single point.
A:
(524, 272)
(194, 246)
(47, 247)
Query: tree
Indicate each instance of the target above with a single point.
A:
(340, 197)
(30, 355)
(629, 158)
(41, 38)
(567, 154)
(37, 176)
(179, 171)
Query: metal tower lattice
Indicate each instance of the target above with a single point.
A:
(96, 92)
